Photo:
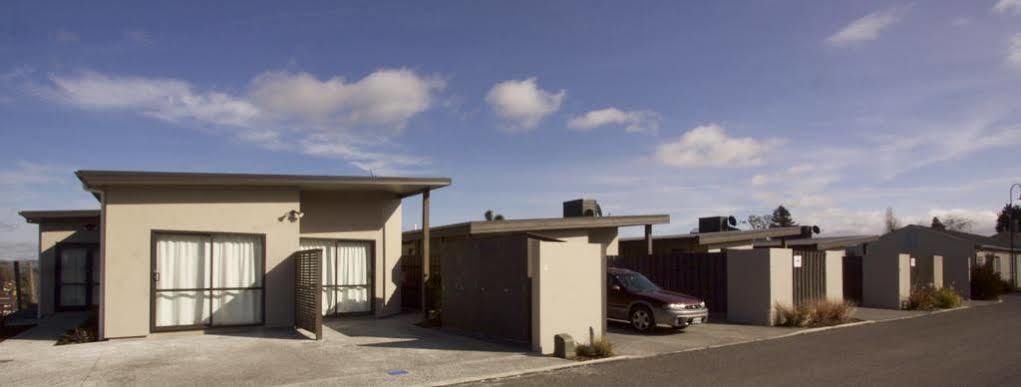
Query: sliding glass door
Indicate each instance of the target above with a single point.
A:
(202, 280)
(347, 275)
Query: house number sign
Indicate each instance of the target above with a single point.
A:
(797, 261)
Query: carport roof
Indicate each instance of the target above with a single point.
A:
(823, 243)
(41, 216)
(403, 186)
(536, 225)
(709, 238)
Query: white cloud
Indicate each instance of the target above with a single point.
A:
(961, 22)
(709, 145)
(138, 37)
(26, 185)
(1014, 51)
(166, 99)
(523, 103)
(386, 97)
(280, 110)
(634, 121)
(1008, 6)
(347, 148)
(66, 36)
(866, 28)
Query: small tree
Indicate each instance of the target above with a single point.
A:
(956, 223)
(1003, 219)
(936, 224)
(781, 218)
(758, 222)
(890, 221)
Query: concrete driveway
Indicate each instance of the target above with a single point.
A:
(359, 351)
(713, 334)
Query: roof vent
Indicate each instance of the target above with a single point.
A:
(582, 207)
(717, 224)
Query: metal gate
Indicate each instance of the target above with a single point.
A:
(308, 293)
(809, 276)
(921, 272)
(853, 278)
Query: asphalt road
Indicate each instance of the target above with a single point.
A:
(978, 346)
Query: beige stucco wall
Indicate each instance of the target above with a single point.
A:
(568, 280)
(937, 271)
(605, 237)
(835, 276)
(49, 236)
(132, 213)
(757, 281)
(362, 216)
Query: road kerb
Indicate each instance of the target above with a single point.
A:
(557, 367)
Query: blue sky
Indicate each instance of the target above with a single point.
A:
(836, 109)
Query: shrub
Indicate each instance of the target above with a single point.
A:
(986, 283)
(818, 313)
(922, 298)
(597, 349)
(947, 298)
(85, 333)
(930, 298)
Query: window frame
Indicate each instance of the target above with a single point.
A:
(371, 275)
(153, 238)
(91, 256)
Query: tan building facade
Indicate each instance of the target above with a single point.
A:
(194, 251)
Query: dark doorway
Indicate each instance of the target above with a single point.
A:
(76, 276)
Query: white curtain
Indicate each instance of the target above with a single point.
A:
(237, 263)
(182, 262)
(353, 264)
(329, 269)
(72, 272)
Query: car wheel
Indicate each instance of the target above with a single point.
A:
(642, 319)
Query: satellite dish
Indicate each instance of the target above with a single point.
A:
(732, 221)
(815, 229)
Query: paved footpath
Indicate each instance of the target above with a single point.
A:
(975, 346)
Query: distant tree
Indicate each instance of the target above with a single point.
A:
(890, 221)
(758, 222)
(491, 216)
(936, 224)
(1003, 219)
(956, 223)
(781, 218)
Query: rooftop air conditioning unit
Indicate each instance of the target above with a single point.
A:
(717, 224)
(582, 207)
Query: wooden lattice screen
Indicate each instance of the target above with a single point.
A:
(308, 294)
(810, 278)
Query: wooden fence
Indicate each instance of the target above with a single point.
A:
(810, 276)
(703, 275)
(23, 278)
(411, 279)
